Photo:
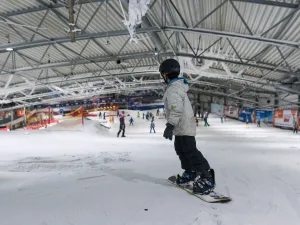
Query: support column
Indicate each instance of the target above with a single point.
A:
(11, 119)
(257, 101)
(225, 98)
(298, 108)
(276, 102)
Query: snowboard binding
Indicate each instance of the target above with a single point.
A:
(204, 184)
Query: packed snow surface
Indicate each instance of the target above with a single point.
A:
(91, 177)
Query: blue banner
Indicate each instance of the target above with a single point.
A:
(246, 114)
(265, 116)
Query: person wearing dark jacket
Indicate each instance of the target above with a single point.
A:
(181, 123)
(295, 130)
(122, 126)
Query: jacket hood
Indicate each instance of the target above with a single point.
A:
(180, 83)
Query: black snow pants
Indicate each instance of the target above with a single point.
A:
(191, 158)
(122, 128)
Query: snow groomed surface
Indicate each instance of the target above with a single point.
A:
(92, 177)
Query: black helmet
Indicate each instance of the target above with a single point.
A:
(171, 68)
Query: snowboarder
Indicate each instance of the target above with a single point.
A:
(131, 121)
(152, 127)
(181, 123)
(295, 130)
(258, 122)
(247, 123)
(122, 126)
(205, 119)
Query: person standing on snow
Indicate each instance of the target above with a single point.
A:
(205, 119)
(122, 126)
(131, 121)
(258, 122)
(181, 123)
(138, 115)
(143, 115)
(295, 130)
(197, 122)
(152, 127)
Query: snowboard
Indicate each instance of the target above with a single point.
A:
(213, 197)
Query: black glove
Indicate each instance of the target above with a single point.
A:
(168, 133)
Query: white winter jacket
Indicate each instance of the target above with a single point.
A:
(178, 108)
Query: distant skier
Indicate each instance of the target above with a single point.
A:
(122, 126)
(258, 122)
(152, 127)
(295, 130)
(181, 123)
(138, 115)
(205, 120)
(100, 115)
(221, 119)
(131, 121)
(104, 114)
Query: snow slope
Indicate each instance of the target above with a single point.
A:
(92, 177)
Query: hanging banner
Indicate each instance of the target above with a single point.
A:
(265, 116)
(232, 111)
(246, 114)
(218, 109)
(285, 118)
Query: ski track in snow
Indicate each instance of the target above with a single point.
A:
(92, 177)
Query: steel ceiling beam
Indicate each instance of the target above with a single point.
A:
(270, 3)
(259, 65)
(46, 7)
(59, 40)
(232, 35)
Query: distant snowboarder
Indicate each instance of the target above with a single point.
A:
(122, 126)
(247, 123)
(152, 127)
(205, 120)
(295, 130)
(181, 123)
(131, 121)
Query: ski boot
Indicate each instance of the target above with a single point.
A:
(204, 183)
(185, 178)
